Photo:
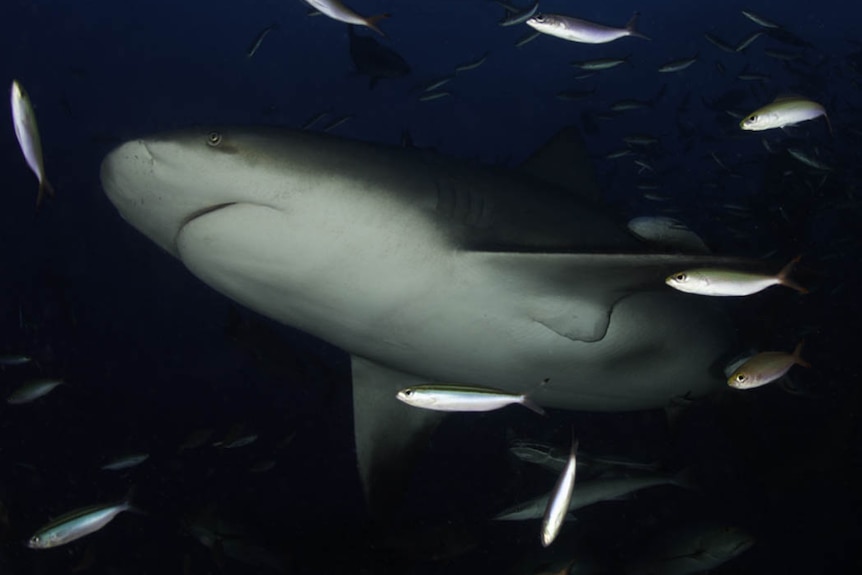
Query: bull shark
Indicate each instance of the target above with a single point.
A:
(427, 269)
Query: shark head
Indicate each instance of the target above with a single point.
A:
(426, 269)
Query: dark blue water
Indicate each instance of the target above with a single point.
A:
(151, 354)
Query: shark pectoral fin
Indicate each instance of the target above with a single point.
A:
(577, 320)
(389, 434)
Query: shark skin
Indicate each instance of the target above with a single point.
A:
(426, 269)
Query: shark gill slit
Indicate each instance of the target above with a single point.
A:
(202, 212)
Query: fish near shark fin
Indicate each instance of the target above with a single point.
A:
(563, 161)
(389, 434)
(574, 295)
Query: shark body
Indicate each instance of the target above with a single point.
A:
(426, 269)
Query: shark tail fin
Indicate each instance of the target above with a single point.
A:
(631, 27)
(784, 276)
(372, 21)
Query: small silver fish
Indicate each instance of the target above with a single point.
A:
(600, 63)
(313, 120)
(337, 122)
(448, 397)
(472, 65)
(765, 368)
(759, 19)
(430, 96)
(76, 524)
(561, 496)
(724, 282)
(719, 43)
(808, 160)
(527, 38)
(14, 360)
(338, 11)
(27, 132)
(252, 50)
(677, 65)
(747, 42)
(783, 111)
(582, 31)
(434, 84)
(32, 391)
(126, 461)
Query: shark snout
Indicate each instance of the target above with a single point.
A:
(147, 192)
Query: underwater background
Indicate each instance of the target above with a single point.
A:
(248, 424)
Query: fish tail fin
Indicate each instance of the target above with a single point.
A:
(784, 276)
(372, 21)
(828, 124)
(128, 502)
(631, 27)
(532, 405)
(797, 355)
(684, 479)
(529, 403)
(45, 187)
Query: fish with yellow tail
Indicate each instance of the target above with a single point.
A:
(725, 282)
(338, 11)
(450, 397)
(558, 503)
(782, 112)
(27, 132)
(582, 31)
(765, 368)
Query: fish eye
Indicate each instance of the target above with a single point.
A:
(408, 392)
(681, 277)
(752, 119)
(540, 17)
(213, 139)
(741, 377)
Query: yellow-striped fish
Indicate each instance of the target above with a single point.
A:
(783, 111)
(765, 368)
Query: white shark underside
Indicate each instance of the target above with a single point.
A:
(426, 269)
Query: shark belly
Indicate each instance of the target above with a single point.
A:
(457, 319)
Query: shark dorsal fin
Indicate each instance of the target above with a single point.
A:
(563, 162)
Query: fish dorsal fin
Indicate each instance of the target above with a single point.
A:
(563, 161)
(389, 434)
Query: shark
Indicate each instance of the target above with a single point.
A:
(427, 269)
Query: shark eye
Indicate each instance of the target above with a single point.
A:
(213, 139)
(540, 17)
